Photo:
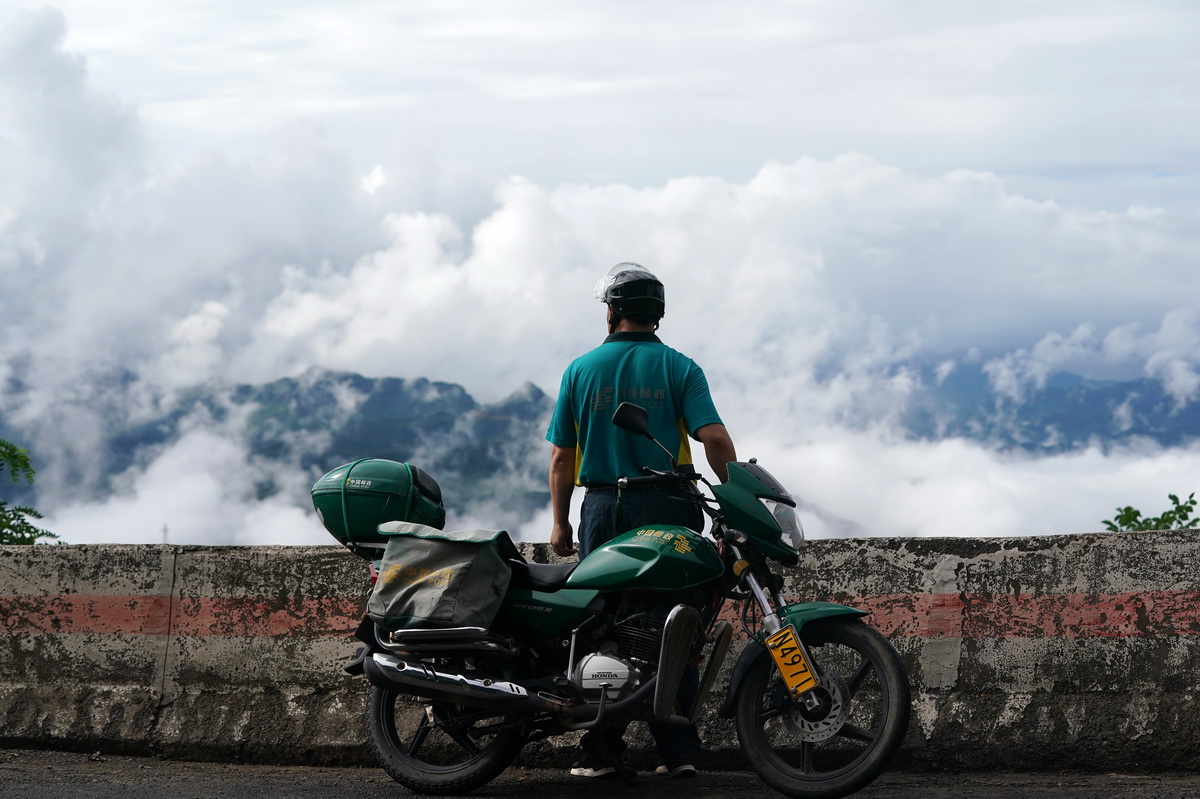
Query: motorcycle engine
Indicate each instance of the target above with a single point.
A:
(627, 648)
(596, 671)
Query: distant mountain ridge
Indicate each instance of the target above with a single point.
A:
(483, 455)
(491, 458)
(1068, 413)
(490, 453)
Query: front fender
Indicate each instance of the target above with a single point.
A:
(798, 615)
(801, 613)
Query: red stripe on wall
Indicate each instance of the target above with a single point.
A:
(331, 616)
(153, 615)
(1123, 615)
(77, 613)
(1117, 615)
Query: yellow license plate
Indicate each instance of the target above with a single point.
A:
(797, 672)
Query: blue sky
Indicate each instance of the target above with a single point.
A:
(199, 191)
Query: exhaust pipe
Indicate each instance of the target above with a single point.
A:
(419, 679)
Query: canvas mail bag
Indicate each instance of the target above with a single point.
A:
(440, 578)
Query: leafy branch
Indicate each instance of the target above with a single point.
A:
(1179, 517)
(17, 461)
(15, 525)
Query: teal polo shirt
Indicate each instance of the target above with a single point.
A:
(638, 368)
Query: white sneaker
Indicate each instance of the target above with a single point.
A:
(586, 767)
(681, 772)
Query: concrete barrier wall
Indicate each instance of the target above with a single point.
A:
(1023, 653)
(1031, 653)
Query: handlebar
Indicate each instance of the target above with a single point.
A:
(654, 478)
(642, 482)
(683, 475)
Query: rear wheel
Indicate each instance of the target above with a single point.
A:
(854, 727)
(438, 747)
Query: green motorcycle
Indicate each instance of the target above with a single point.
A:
(820, 700)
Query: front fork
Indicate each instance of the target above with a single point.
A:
(769, 603)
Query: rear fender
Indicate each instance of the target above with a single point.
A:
(798, 615)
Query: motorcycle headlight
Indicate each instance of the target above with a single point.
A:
(791, 531)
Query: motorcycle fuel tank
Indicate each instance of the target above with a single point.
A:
(661, 558)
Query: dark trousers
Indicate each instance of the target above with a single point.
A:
(605, 514)
(601, 519)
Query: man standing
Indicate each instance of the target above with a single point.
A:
(588, 450)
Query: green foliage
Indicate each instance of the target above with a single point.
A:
(16, 460)
(1179, 517)
(15, 527)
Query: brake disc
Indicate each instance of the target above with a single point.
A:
(829, 715)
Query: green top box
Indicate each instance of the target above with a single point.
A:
(355, 498)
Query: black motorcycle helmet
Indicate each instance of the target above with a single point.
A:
(632, 290)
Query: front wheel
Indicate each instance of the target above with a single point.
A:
(845, 740)
(438, 747)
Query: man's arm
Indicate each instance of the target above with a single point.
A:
(718, 448)
(562, 483)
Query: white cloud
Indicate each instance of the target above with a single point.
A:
(1174, 354)
(1170, 354)
(845, 266)
(193, 353)
(375, 179)
(202, 489)
(1084, 102)
(1016, 372)
(863, 484)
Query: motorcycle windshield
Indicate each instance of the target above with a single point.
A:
(769, 482)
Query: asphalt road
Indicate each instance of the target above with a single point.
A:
(36, 774)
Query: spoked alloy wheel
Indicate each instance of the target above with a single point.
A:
(856, 724)
(437, 747)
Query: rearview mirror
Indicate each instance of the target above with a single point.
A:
(632, 419)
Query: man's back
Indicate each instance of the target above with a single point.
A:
(629, 367)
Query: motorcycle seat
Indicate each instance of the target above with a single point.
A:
(541, 576)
